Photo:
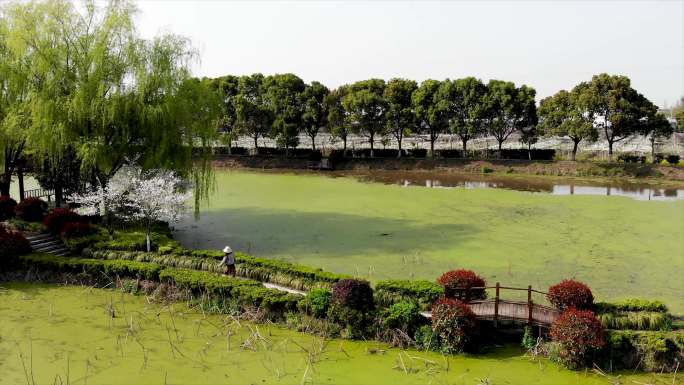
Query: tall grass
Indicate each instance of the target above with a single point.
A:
(641, 320)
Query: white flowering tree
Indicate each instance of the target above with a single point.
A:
(158, 196)
(135, 195)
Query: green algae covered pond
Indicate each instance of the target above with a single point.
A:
(388, 225)
(53, 334)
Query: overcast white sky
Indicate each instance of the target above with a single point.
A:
(549, 46)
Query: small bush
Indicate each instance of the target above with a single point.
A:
(393, 291)
(354, 294)
(7, 207)
(12, 244)
(316, 302)
(404, 316)
(58, 217)
(428, 339)
(76, 230)
(455, 324)
(649, 351)
(460, 283)
(352, 305)
(31, 209)
(487, 170)
(579, 334)
(528, 341)
(571, 294)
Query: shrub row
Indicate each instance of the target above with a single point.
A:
(631, 304)
(247, 293)
(260, 269)
(422, 292)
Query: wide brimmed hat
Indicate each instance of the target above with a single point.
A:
(227, 249)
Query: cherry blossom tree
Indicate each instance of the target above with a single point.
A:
(136, 195)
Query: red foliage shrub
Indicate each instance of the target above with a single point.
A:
(31, 209)
(7, 207)
(458, 284)
(579, 333)
(571, 294)
(57, 218)
(76, 229)
(454, 322)
(354, 294)
(12, 244)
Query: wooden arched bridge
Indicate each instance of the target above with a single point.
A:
(497, 309)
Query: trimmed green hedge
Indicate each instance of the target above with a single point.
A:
(422, 292)
(632, 304)
(93, 267)
(261, 269)
(245, 292)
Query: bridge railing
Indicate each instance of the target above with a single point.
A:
(39, 193)
(544, 314)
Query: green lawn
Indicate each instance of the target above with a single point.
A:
(621, 247)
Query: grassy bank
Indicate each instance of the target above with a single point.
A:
(619, 246)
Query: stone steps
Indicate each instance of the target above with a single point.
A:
(47, 243)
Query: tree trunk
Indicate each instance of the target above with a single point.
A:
(399, 142)
(529, 151)
(20, 179)
(256, 145)
(4, 187)
(59, 196)
(432, 146)
(147, 237)
(652, 148)
(344, 145)
(313, 142)
(465, 147)
(371, 140)
(610, 150)
(575, 143)
(230, 145)
(500, 144)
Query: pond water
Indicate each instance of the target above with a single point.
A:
(437, 179)
(621, 247)
(53, 334)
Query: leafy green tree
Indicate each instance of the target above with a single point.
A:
(679, 117)
(563, 115)
(367, 109)
(401, 116)
(461, 103)
(97, 86)
(226, 87)
(431, 119)
(507, 109)
(253, 115)
(338, 119)
(284, 95)
(615, 107)
(315, 115)
(657, 127)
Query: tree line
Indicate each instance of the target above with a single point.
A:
(82, 94)
(282, 106)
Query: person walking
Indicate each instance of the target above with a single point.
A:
(228, 261)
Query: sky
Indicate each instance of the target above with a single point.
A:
(546, 45)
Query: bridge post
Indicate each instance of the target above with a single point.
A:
(529, 305)
(496, 305)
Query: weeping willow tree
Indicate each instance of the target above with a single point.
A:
(97, 87)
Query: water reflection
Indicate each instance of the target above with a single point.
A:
(474, 181)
